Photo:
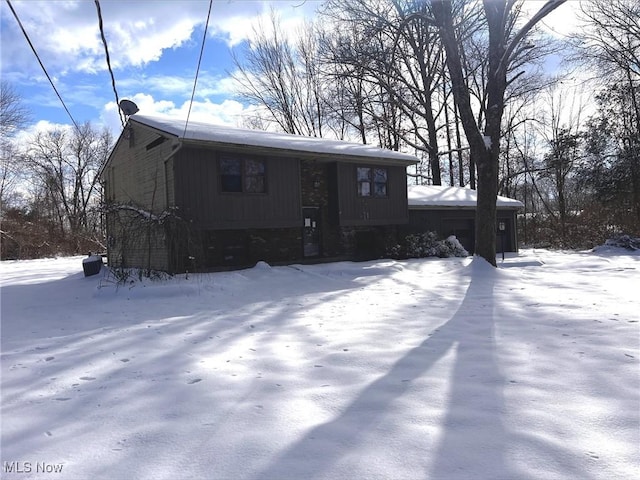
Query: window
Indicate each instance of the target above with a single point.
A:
(372, 182)
(254, 176)
(242, 175)
(231, 175)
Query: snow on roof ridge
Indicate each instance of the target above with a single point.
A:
(260, 138)
(436, 195)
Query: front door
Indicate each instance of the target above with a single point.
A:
(311, 231)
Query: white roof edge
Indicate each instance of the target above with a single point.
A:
(432, 196)
(199, 131)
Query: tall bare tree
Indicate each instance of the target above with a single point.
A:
(610, 42)
(13, 117)
(353, 52)
(398, 53)
(505, 44)
(64, 167)
(284, 77)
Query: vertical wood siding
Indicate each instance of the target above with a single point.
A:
(356, 210)
(199, 198)
(143, 172)
(460, 222)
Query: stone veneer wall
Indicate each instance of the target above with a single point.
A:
(315, 187)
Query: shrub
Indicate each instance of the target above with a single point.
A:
(428, 245)
(624, 241)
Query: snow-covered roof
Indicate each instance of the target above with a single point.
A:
(198, 131)
(430, 196)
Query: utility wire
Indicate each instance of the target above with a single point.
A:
(106, 52)
(195, 82)
(41, 64)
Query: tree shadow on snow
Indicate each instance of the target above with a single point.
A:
(49, 326)
(472, 440)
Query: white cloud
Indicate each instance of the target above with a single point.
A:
(228, 112)
(560, 23)
(67, 37)
(139, 33)
(23, 137)
(138, 46)
(209, 84)
(242, 26)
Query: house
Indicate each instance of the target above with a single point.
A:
(210, 196)
(451, 211)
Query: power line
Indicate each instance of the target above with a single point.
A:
(41, 64)
(195, 82)
(106, 51)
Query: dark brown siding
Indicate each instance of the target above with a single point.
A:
(199, 198)
(461, 223)
(355, 210)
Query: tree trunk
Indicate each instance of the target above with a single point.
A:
(484, 148)
(486, 206)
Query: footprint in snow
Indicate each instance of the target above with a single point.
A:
(195, 380)
(87, 378)
(48, 359)
(124, 360)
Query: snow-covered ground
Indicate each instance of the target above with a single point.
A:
(420, 369)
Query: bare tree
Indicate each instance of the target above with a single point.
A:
(398, 55)
(563, 135)
(610, 42)
(13, 117)
(348, 88)
(610, 172)
(611, 39)
(284, 78)
(505, 43)
(357, 104)
(64, 167)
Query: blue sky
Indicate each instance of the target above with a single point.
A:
(153, 45)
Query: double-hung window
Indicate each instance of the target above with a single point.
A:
(372, 181)
(242, 174)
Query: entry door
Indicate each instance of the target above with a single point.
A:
(311, 231)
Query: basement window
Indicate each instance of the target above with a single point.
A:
(242, 175)
(372, 182)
